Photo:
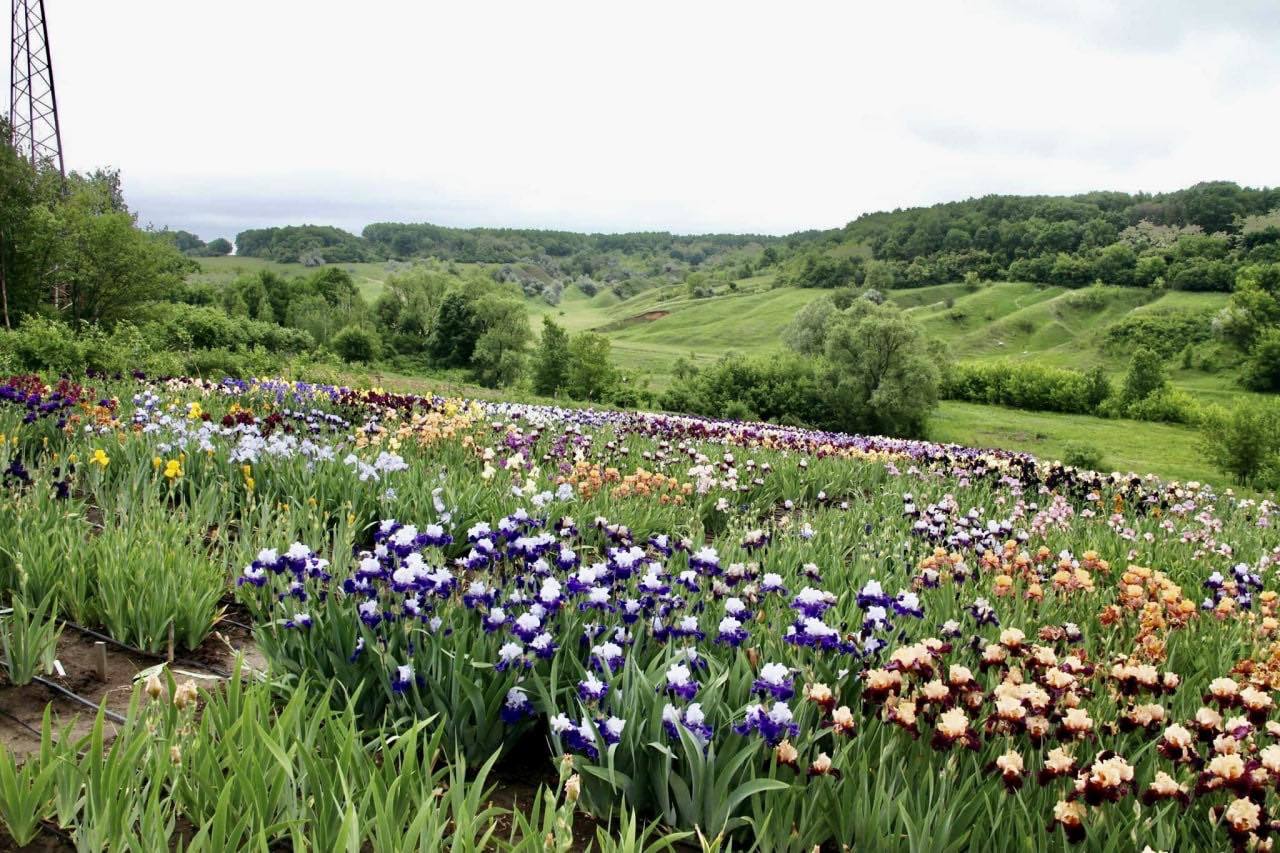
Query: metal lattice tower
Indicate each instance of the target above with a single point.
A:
(33, 103)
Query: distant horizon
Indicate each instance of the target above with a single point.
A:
(359, 228)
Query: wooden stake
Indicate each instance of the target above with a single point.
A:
(170, 642)
(100, 660)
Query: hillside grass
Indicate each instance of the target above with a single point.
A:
(1167, 450)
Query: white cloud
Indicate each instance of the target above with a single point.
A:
(742, 116)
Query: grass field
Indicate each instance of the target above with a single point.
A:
(1168, 450)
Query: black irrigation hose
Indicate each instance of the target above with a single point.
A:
(75, 697)
(234, 624)
(36, 679)
(30, 728)
(216, 670)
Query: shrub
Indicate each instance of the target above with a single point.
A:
(1164, 332)
(1026, 386)
(47, 345)
(883, 373)
(591, 375)
(1146, 376)
(771, 389)
(1081, 454)
(1092, 298)
(627, 396)
(356, 344)
(1262, 370)
(221, 363)
(1242, 441)
(551, 361)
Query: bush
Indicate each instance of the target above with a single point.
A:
(626, 396)
(1262, 370)
(1081, 454)
(1026, 386)
(591, 375)
(1168, 405)
(221, 363)
(771, 389)
(1146, 376)
(1243, 441)
(356, 344)
(1166, 332)
(1090, 299)
(41, 344)
(51, 346)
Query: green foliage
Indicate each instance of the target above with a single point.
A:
(878, 374)
(498, 359)
(308, 244)
(737, 387)
(736, 410)
(512, 245)
(30, 638)
(807, 331)
(356, 344)
(151, 574)
(882, 373)
(454, 331)
(1079, 454)
(249, 773)
(1166, 405)
(1242, 441)
(1165, 332)
(1097, 387)
(218, 247)
(1262, 370)
(551, 362)
(27, 791)
(826, 272)
(1146, 376)
(592, 375)
(1068, 241)
(1026, 385)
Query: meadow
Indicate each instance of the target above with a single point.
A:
(347, 618)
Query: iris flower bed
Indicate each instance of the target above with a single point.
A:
(753, 634)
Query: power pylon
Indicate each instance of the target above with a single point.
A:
(33, 101)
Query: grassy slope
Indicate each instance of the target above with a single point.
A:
(1008, 320)
(1014, 320)
(1165, 449)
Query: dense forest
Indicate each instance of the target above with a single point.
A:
(1191, 239)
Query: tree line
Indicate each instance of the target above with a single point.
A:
(1191, 239)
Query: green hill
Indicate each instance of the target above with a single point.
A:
(1003, 320)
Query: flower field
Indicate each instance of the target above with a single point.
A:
(706, 633)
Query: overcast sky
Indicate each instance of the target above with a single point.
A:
(686, 116)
